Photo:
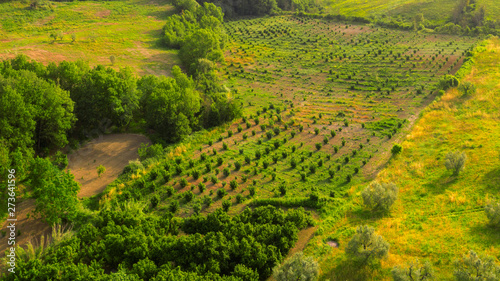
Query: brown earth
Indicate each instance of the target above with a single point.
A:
(112, 151)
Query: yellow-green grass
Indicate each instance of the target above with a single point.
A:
(128, 30)
(438, 216)
(436, 11)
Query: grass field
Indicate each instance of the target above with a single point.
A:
(437, 12)
(130, 31)
(438, 216)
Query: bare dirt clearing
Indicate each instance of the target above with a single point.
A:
(112, 151)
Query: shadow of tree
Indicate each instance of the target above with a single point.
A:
(352, 270)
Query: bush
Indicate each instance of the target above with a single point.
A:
(455, 161)
(174, 206)
(448, 81)
(276, 131)
(380, 196)
(224, 146)
(414, 271)
(221, 192)
(467, 88)
(367, 246)
(197, 208)
(100, 170)
(239, 198)
(169, 190)
(298, 267)
(240, 129)
(207, 200)
(265, 164)
(220, 161)
(248, 160)
(183, 182)
(316, 131)
(225, 205)
(196, 174)
(188, 196)
(226, 172)
(318, 146)
(475, 267)
(282, 189)
(493, 212)
(269, 135)
(153, 151)
(258, 154)
(233, 184)
(396, 149)
(251, 190)
(325, 140)
(201, 187)
(214, 179)
(60, 160)
(332, 133)
(154, 201)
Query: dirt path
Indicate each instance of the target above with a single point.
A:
(112, 151)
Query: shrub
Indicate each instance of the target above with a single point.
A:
(233, 184)
(197, 208)
(188, 196)
(245, 136)
(174, 206)
(208, 167)
(248, 160)
(325, 140)
(226, 172)
(318, 146)
(169, 190)
(100, 170)
(476, 267)
(258, 154)
(366, 246)
(396, 149)
(256, 120)
(237, 165)
(303, 176)
(301, 128)
(316, 131)
(239, 198)
(207, 200)
(251, 189)
(380, 195)
(298, 267)
(343, 142)
(240, 129)
(203, 157)
(273, 176)
(229, 133)
(214, 179)
(275, 158)
(183, 182)
(221, 192)
(220, 161)
(312, 168)
(61, 160)
(448, 81)
(155, 199)
(455, 161)
(332, 133)
(226, 204)
(282, 189)
(265, 164)
(224, 146)
(293, 163)
(248, 125)
(196, 174)
(201, 187)
(269, 135)
(493, 212)
(253, 133)
(276, 131)
(414, 271)
(336, 149)
(331, 172)
(293, 134)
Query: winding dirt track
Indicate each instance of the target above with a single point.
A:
(112, 151)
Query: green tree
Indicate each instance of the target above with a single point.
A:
(414, 272)
(55, 191)
(380, 196)
(493, 212)
(367, 246)
(101, 170)
(473, 267)
(455, 161)
(396, 149)
(299, 267)
(201, 44)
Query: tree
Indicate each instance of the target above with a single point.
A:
(414, 272)
(298, 268)
(473, 267)
(101, 170)
(169, 104)
(380, 196)
(396, 149)
(493, 212)
(366, 246)
(455, 161)
(467, 88)
(55, 191)
(201, 44)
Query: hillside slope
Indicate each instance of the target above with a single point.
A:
(438, 216)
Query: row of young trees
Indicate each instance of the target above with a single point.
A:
(233, 8)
